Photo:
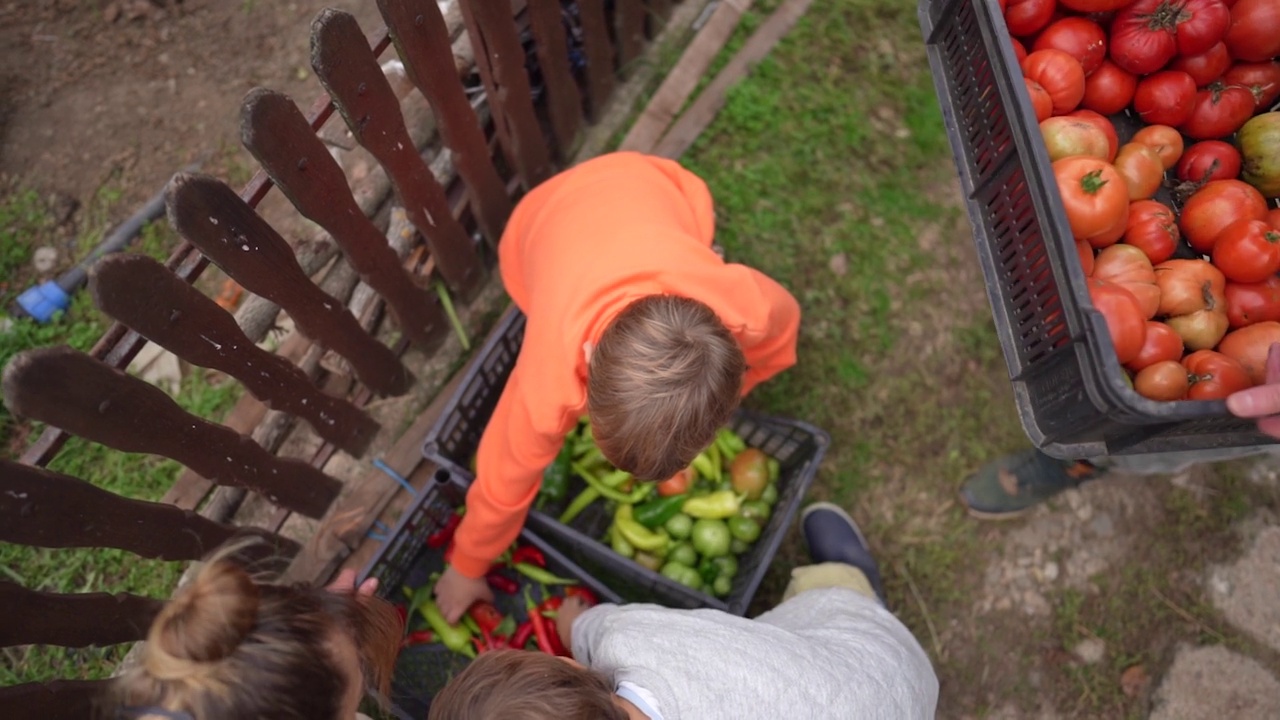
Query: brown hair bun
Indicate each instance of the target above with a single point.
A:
(205, 623)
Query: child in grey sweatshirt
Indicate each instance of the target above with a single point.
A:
(830, 650)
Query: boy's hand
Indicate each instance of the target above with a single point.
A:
(569, 611)
(455, 593)
(345, 582)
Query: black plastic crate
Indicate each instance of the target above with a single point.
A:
(404, 560)
(1070, 390)
(798, 448)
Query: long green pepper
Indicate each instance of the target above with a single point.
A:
(635, 496)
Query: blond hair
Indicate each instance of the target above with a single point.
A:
(228, 647)
(523, 685)
(664, 377)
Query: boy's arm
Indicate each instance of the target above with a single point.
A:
(771, 347)
(512, 455)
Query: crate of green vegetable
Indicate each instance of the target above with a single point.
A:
(529, 582)
(703, 541)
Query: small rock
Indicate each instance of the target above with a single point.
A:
(1033, 603)
(1074, 499)
(1004, 603)
(44, 259)
(1090, 651)
(1084, 512)
(1050, 571)
(1102, 526)
(839, 264)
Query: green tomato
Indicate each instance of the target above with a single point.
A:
(757, 510)
(683, 553)
(679, 526)
(722, 586)
(744, 529)
(770, 494)
(726, 566)
(711, 538)
(692, 579)
(676, 571)
(737, 547)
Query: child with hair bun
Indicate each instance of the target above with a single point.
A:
(227, 647)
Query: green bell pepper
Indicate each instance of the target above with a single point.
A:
(555, 478)
(658, 511)
(639, 536)
(716, 506)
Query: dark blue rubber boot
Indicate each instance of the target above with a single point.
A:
(832, 536)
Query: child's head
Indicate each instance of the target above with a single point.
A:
(524, 685)
(228, 647)
(664, 377)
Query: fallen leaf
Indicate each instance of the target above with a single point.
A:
(1134, 680)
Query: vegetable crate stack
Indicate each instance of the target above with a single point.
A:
(529, 583)
(703, 539)
(1121, 163)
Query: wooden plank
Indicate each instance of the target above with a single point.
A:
(685, 76)
(703, 110)
(142, 294)
(494, 36)
(564, 100)
(80, 620)
(346, 67)
(276, 133)
(422, 40)
(57, 700)
(629, 19)
(88, 398)
(211, 215)
(599, 51)
(42, 508)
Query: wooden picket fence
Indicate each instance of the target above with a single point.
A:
(500, 142)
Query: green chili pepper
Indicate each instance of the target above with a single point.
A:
(657, 512)
(639, 536)
(717, 463)
(541, 575)
(640, 493)
(616, 478)
(580, 503)
(619, 543)
(590, 457)
(716, 506)
(454, 637)
(730, 441)
(702, 463)
(555, 479)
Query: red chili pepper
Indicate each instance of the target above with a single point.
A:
(418, 637)
(551, 604)
(557, 647)
(529, 554)
(521, 636)
(441, 537)
(403, 613)
(585, 594)
(486, 616)
(502, 583)
(539, 625)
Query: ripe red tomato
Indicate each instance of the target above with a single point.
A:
(1128, 267)
(1146, 35)
(1218, 111)
(1215, 206)
(1247, 251)
(1205, 67)
(1261, 78)
(1028, 17)
(1165, 98)
(1209, 160)
(1085, 251)
(1161, 343)
(1094, 195)
(1094, 6)
(1109, 89)
(1254, 32)
(1078, 37)
(1103, 124)
(1273, 218)
(1249, 303)
(1249, 345)
(1068, 137)
(1166, 141)
(677, 485)
(1141, 168)
(1060, 75)
(1019, 50)
(1041, 103)
(1188, 286)
(1200, 24)
(1166, 380)
(1125, 324)
(1214, 375)
(1153, 229)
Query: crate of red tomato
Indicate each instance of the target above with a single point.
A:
(1121, 162)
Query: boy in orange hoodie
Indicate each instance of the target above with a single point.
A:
(632, 318)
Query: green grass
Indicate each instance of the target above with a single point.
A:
(25, 223)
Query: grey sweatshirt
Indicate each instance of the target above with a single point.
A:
(829, 653)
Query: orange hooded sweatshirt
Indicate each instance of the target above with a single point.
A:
(577, 250)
